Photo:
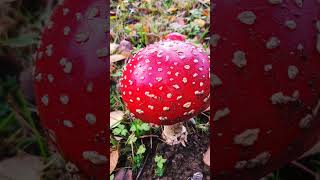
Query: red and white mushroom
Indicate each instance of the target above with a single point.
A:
(71, 84)
(167, 83)
(266, 84)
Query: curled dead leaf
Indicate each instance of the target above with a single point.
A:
(199, 22)
(206, 12)
(118, 138)
(113, 47)
(172, 9)
(180, 21)
(206, 157)
(114, 157)
(117, 57)
(22, 166)
(115, 118)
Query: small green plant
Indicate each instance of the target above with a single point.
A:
(194, 30)
(201, 124)
(120, 130)
(195, 14)
(112, 177)
(139, 128)
(137, 48)
(132, 139)
(167, 4)
(141, 149)
(137, 159)
(159, 160)
(203, 127)
(18, 107)
(113, 142)
(115, 99)
(143, 39)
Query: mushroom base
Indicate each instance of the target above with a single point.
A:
(175, 134)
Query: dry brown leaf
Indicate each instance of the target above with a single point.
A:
(117, 57)
(20, 167)
(171, 18)
(199, 22)
(116, 117)
(112, 35)
(126, 54)
(206, 157)
(118, 138)
(152, 38)
(120, 175)
(129, 174)
(206, 12)
(114, 157)
(124, 174)
(172, 9)
(182, 4)
(180, 21)
(113, 47)
(204, 1)
(176, 26)
(125, 48)
(113, 68)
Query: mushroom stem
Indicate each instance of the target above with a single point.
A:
(206, 157)
(175, 134)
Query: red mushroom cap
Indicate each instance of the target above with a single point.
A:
(166, 82)
(70, 81)
(266, 85)
(175, 36)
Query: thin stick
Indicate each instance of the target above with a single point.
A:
(132, 151)
(145, 136)
(142, 167)
(304, 168)
(205, 115)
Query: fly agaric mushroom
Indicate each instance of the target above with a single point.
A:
(70, 82)
(266, 85)
(167, 83)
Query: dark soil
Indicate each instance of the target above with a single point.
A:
(182, 162)
(291, 173)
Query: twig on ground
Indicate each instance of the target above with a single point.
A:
(142, 167)
(146, 136)
(305, 169)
